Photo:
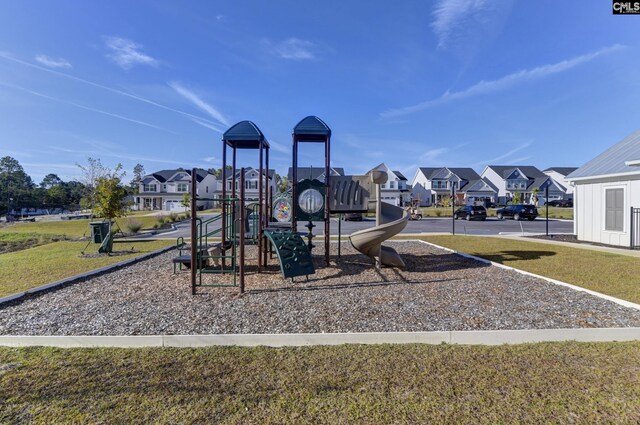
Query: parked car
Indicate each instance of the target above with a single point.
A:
(471, 212)
(563, 203)
(518, 212)
(355, 216)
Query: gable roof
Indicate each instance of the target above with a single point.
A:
(479, 185)
(565, 171)
(313, 173)
(505, 170)
(227, 173)
(463, 173)
(613, 160)
(399, 175)
(164, 175)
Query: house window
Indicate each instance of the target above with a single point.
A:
(614, 210)
(391, 184)
(523, 186)
(183, 187)
(149, 188)
(164, 187)
(207, 188)
(382, 186)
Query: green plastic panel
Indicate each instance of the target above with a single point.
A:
(293, 254)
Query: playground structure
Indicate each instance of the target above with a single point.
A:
(390, 220)
(218, 243)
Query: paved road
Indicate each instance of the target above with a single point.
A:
(492, 226)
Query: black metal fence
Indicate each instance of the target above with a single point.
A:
(635, 228)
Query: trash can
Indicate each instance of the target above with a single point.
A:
(99, 230)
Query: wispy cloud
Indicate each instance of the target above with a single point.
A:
(508, 81)
(7, 56)
(126, 53)
(199, 103)
(295, 49)
(87, 108)
(279, 147)
(118, 155)
(53, 62)
(508, 156)
(207, 124)
(450, 15)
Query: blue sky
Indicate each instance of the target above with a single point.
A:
(461, 83)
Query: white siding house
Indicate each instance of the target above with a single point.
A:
(164, 190)
(605, 190)
(251, 182)
(525, 180)
(395, 191)
(559, 175)
(431, 185)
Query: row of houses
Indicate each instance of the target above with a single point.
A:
(165, 189)
(498, 184)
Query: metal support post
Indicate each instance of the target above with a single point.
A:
(242, 231)
(194, 237)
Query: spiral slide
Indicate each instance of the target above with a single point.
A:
(393, 220)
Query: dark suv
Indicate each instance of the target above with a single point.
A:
(471, 212)
(518, 212)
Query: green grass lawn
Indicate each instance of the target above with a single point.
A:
(37, 266)
(611, 274)
(71, 228)
(532, 383)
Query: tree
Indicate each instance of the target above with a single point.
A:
(186, 201)
(91, 173)
(50, 180)
(138, 174)
(109, 195)
(517, 197)
(283, 184)
(16, 186)
(56, 197)
(218, 171)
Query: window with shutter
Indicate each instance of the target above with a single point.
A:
(614, 209)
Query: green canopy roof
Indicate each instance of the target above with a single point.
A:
(245, 135)
(312, 129)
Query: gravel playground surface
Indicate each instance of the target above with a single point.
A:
(437, 291)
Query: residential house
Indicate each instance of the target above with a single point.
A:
(164, 190)
(431, 185)
(251, 183)
(606, 189)
(314, 173)
(395, 191)
(559, 174)
(526, 180)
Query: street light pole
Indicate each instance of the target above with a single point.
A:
(453, 208)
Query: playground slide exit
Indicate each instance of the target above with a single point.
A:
(393, 220)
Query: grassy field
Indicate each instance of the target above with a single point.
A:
(71, 228)
(611, 274)
(33, 267)
(534, 383)
(554, 212)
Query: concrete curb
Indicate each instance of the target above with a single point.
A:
(85, 275)
(486, 337)
(623, 303)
